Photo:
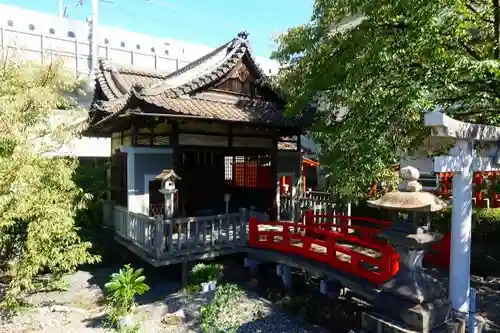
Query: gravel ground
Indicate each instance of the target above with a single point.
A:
(81, 309)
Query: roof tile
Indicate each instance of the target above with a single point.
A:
(169, 91)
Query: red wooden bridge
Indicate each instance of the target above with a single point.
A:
(345, 243)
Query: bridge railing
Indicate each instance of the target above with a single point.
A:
(376, 261)
(366, 227)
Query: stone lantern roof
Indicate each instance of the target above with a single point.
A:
(410, 196)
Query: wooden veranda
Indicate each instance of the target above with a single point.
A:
(219, 127)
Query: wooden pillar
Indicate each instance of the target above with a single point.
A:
(184, 273)
(133, 135)
(274, 178)
(230, 136)
(174, 143)
(301, 189)
(176, 166)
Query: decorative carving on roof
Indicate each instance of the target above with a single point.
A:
(243, 74)
(178, 93)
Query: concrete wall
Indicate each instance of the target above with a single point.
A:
(37, 33)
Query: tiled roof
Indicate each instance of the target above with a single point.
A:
(115, 81)
(124, 88)
(245, 111)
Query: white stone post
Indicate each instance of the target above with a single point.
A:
(169, 202)
(461, 226)
(168, 178)
(462, 162)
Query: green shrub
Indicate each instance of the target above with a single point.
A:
(485, 223)
(123, 288)
(203, 273)
(39, 199)
(219, 316)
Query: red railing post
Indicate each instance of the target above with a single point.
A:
(344, 224)
(331, 249)
(286, 236)
(308, 221)
(253, 231)
(309, 217)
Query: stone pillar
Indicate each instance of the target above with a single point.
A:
(285, 272)
(461, 227)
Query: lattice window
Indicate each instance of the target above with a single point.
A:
(228, 168)
(161, 140)
(143, 139)
(248, 171)
(239, 171)
(149, 139)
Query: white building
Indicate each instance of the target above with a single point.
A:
(40, 37)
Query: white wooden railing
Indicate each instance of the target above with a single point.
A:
(164, 239)
(136, 228)
(292, 208)
(198, 234)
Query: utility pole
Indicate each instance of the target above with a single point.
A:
(93, 36)
(60, 8)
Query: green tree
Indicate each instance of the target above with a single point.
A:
(401, 58)
(38, 198)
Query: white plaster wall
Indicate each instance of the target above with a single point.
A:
(424, 165)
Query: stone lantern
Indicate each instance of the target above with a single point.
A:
(413, 298)
(168, 179)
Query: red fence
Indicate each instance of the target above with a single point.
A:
(321, 243)
(485, 188)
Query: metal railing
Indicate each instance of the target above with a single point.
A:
(75, 52)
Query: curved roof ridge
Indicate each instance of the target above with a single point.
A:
(117, 68)
(214, 60)
(114, 84)
(218, 63)
(105, 80)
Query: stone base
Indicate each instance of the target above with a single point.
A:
(376, 323)
(421, 317)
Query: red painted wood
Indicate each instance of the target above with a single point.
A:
(481, 189)
(439, 256)
(386, 266)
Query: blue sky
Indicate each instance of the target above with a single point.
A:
(210, 22)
